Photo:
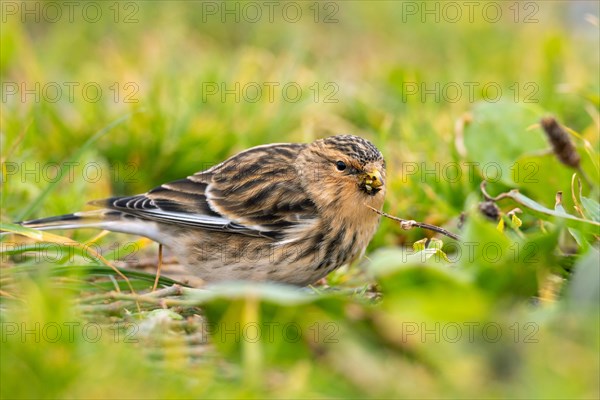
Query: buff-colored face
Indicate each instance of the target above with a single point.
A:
(344, 166)
(367, 177)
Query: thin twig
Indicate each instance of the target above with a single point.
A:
(160, 259)
(576, 203)
(114, 307)
(409, 224)
(174, 290)
(490, 198)
(122, 299)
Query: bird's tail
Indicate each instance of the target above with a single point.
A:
(104, 219)
(98, 219)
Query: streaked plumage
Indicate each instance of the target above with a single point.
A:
(281, 212)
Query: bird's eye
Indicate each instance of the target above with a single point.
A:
(340, 165)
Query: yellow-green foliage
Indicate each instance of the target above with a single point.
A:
(512, 311)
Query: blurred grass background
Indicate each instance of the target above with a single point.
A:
(356, 66)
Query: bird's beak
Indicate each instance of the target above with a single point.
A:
(372, 181)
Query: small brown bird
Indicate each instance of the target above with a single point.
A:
(285, 212)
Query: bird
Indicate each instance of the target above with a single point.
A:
(283, 212)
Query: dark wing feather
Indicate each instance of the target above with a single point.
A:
(256, 192)
(261, 187)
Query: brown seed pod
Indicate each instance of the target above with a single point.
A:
(490, 210)
(561, 142)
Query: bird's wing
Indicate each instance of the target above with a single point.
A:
(256, 192)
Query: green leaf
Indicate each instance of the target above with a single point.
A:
(584, 289)
(500, 225)
(503, 265)
(388, 260)
(578, 235)
(419, 245)
(93, 270)
(272, 292)
(498, 134)
(515, 221)
(592, 208)
(540, 176)
(253, 323)
(553, 215)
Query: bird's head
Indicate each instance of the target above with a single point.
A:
(345, 168)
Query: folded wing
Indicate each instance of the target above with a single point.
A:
(256, 192)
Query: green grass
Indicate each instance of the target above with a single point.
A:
(513, 313)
